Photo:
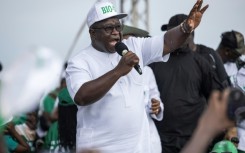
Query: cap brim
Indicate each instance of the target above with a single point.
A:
(240, 50)
(164, 27)
(119, 16)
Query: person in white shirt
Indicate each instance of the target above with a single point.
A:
(153, 104)
(154, 108)
(107, 90)
(232, 52)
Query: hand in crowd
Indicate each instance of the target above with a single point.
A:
(212, 122)
(216, 114)
(10, 128)
(155, 106)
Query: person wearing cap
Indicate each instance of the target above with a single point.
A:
(107, 90)
(184, 91)
(230, 49)
(153, 104)
(207, 53)
(231, 46)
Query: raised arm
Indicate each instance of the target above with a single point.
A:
(175, 37)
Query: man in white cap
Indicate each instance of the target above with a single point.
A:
(107, 90)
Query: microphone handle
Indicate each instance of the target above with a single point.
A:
(136, 67)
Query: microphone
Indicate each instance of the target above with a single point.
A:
(122, 49)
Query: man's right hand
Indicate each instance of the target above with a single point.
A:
(127, 62)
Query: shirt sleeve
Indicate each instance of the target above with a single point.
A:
(10, 143)
(152, 50)
(154, 92)
(77, 73)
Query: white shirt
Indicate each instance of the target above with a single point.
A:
(238, 81)
(117, 122)
(151, 91)
(230, 68)
(241, 135)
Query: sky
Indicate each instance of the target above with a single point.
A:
(25, 24)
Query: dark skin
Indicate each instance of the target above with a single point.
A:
(94, 90)
(23, 146)
(226, 54)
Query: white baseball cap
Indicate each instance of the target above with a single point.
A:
(102, 10)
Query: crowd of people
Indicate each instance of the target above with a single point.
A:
(104, 104)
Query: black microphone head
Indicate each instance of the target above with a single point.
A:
(120, 47)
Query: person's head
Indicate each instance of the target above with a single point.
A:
(104, 26)
(224, 146)
(129, 31)
(174, 21)
(31, 120)
(231, 46)
(231, 135)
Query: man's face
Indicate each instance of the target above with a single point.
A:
(105, 34)
(231, 55)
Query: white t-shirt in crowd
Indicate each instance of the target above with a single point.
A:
(237, 78)
(117, 122)
(151, 91)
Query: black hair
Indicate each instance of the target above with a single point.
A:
(67, 123)
(1, 67)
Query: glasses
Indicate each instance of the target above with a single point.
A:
(109, 29)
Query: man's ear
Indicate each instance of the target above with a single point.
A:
(92, 33)
(227, 51)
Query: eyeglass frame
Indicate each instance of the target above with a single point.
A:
(111, 28)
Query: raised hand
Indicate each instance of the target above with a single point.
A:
(195, 16)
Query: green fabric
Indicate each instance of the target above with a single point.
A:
(19, 119)
(129, 30)
(224, 146)
(10, 143)
(48, 104)
(65, 98)
(1, 126)
(30, 143)
(51, 139)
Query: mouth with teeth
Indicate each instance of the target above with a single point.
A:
(113, 42)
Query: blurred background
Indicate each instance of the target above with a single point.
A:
(55, 24)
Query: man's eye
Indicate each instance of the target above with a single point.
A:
(109, 28)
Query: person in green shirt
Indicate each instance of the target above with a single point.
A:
(61, 136)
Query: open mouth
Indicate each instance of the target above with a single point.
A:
(114, 41)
